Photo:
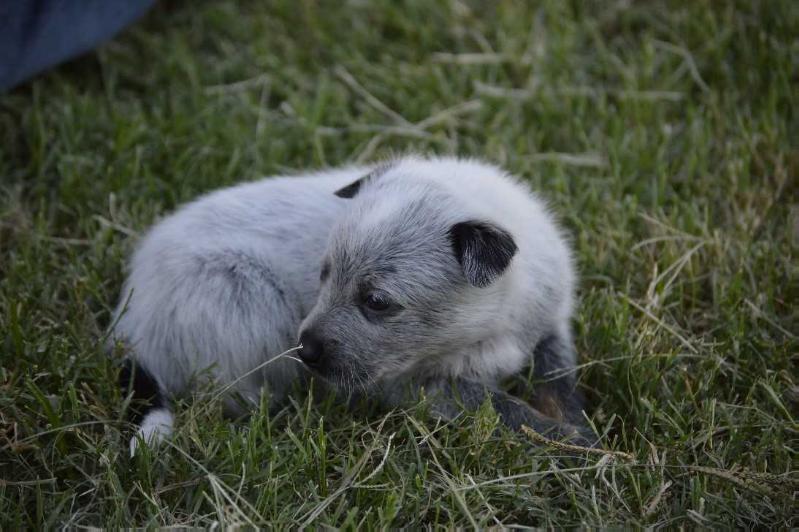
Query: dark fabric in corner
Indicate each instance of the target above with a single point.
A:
(38, 34)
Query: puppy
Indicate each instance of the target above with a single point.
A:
(438, 277)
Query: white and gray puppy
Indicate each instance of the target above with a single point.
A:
(440, 275)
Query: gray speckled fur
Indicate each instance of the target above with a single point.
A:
(228, 281)
(221, 286)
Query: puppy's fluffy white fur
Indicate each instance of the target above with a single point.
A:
(223, 285)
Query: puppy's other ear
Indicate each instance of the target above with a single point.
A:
(351, 190)
(483, 250)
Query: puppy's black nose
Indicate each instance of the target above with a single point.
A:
(312, 348)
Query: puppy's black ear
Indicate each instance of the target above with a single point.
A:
(483, 250)
(351, 190)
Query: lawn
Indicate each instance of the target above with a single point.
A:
(664, 134)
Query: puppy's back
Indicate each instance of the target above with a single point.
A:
(224, 282)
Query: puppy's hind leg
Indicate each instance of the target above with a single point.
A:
(149, 407)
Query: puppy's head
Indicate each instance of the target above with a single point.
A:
(408, 277)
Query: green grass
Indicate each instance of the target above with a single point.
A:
(664, 133)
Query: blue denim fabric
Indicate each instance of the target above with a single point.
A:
(38, 34)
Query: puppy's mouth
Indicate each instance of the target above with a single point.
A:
(342, 376)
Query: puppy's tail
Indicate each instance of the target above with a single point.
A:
(149, 407)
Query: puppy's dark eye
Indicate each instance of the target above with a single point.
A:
(376, 302)
(325, 273)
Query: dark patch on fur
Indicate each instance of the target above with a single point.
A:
(385, 269)
(483, 250)
(243, 273)
(555, 390)
(147, 396)
(429, 317)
